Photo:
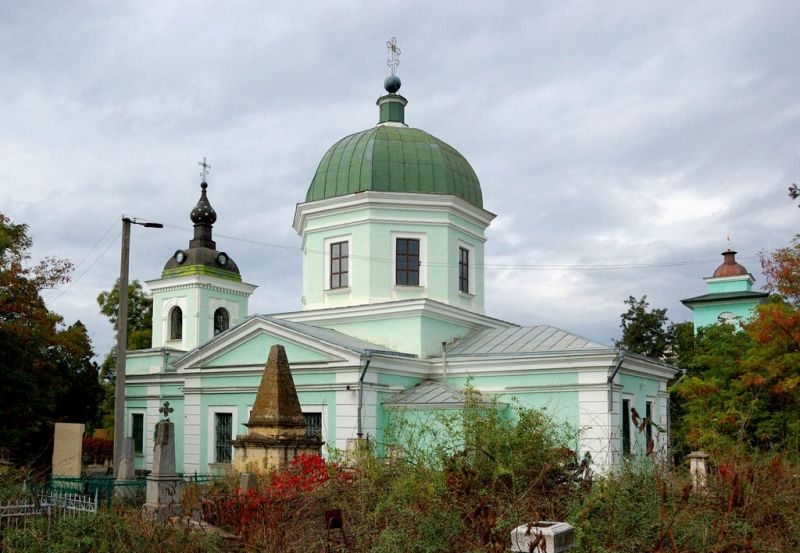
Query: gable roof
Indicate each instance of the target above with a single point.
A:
(325, 340)
(334, 337)
(521, 340)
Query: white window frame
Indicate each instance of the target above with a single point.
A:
(211, 424)
(327, 262)
(423, 258)
(470, 268)
(230, 306)
(129, 433)
(319, 408)
(166, 311)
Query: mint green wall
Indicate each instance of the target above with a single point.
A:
(197, 315)
(371, 277)
(642, 390)
(417, 334)
(141, 363)
(256, 349)
(741, 285)
(707, 314)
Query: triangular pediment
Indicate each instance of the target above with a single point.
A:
(248, 344)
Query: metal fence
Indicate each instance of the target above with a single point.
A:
(47, 506)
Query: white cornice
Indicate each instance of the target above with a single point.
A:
(735, 278)
(203, 281)
(393, 200)
(394, 222)
(252, 327)
(400, 308)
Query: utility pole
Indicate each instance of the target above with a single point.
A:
(122, 337)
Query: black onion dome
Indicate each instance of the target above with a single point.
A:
(203, 213)
(202, 250)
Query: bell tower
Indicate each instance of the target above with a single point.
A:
(200, 293)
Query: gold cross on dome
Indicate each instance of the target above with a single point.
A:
(205, 167)
(394, 54)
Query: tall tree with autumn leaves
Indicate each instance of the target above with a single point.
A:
(46, 370)
(743, 384)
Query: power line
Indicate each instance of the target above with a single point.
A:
(491, 266)
(89, 268)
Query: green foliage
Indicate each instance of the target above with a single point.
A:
(46, 370)
(741, 388)
(107, 532)
(140, 313)
(750, 504)
(644, 330)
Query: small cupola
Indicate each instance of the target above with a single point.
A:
(202, 255)
(729, 266)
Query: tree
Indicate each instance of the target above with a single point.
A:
(782, 269)
(140, 313)
(46, 370)
(742, 387)
(644, 330)
(140, 317)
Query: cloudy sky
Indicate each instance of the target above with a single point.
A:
(619, 143)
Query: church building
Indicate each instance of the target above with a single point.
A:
(392, 319)
(730, 297)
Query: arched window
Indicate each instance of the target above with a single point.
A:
(221, 320)
(176, 324)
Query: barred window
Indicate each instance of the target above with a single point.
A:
(313, 425)
(223, 435)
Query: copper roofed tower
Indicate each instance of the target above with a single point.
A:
(276, 429)
(730, 296)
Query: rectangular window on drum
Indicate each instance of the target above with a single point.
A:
(463, 270)
(407, 262)
(340, 265)
(223, 435)
(648, 413)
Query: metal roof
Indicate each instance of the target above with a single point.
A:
(521, 339)
(720, 296)
(334, 337)
(429, 393)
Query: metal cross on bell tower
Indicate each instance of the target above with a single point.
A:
(394, 54)
(206, 167)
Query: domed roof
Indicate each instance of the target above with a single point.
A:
(392, 157)
(202, 255)
(729, 266)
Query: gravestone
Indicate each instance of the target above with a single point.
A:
(68, 449)
(127, 470)
(698, 468)
(543, 537)
(247, 482)
(163, 484)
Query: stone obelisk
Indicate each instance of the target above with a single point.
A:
(276, 429)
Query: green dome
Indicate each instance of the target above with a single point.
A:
(392, 158)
